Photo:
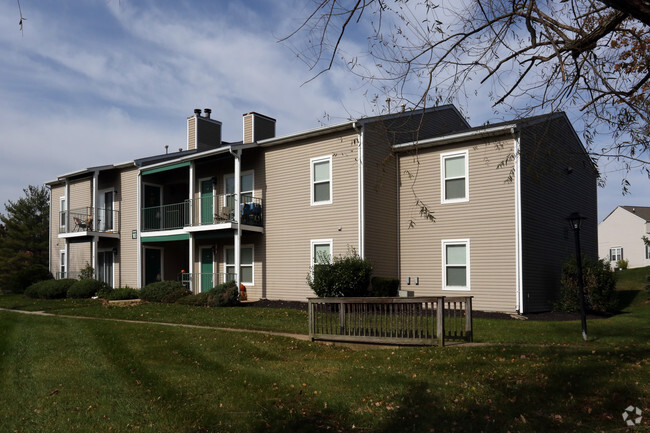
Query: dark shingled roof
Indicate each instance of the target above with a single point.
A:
(640, 211)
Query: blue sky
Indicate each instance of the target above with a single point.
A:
(106, 81)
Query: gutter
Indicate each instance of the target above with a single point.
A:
(454, 138)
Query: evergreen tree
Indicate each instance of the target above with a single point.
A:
(24, 232)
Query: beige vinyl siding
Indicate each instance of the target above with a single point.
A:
(80, 256)
(291, 222)
(56, 244)
(191, 133)
(126, 263)
(80, 194)
(487, 220)
(248, 128)
(549, 193)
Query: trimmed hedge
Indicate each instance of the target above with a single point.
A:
(599, 285)
(223, 295)
(155, 292)
(384, 287)
(120, 293)
(21, 280)
(345, 276)
(86, 288)
(50, 289)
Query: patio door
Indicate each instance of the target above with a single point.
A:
(105, 267)
(207, 205)
(152, 265)
(152, 207)
(207, 269)
(106, 211)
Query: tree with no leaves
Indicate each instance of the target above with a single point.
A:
(532, 55)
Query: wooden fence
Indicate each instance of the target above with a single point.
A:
(403, 321)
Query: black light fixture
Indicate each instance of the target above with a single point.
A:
(115, 251)
(575, 221)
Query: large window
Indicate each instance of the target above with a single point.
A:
(455, 182)
(246, 187)
(647, 251)
(455, 256)
(321, 180)
(615, 254)
(62, 264)
(245, 265)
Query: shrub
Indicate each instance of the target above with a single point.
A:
(88, 272)
(384, 286)
(111, 294)
(346, 276)
(50, 289)
(175, 295)
(155, 292)
(86, 288)
(599, 286)
(622, 264)
(21, 280)
(223, 295)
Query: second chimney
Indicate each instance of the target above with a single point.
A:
(258, 127)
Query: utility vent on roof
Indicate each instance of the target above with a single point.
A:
(258, 127)
(203, 133)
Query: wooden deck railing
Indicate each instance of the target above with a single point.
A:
(404, 321)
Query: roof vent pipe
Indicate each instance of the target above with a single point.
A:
(207, 112)
(197, 112)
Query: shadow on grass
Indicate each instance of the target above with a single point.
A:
(626, 298)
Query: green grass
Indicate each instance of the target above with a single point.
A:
(632, 279)
(61, 375)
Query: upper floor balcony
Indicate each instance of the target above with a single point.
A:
(89, 220)
(209, 210)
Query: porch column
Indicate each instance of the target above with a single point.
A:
(237, 200)
(190, 210)
(190, 265)
(191, 196)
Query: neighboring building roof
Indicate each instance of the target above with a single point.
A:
(640, 211)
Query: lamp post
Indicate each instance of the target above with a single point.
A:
(575, 221)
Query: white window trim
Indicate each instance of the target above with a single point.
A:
(610, 254)
(63, 206)
(63, 266)
(252, 265)
(446, 242)
(443, 157)
(314, 242)
(647, 252)
(312, 162)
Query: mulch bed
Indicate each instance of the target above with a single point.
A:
(555, 316)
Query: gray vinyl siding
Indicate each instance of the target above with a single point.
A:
(557, 179)
(126, 263)
(487, 220)
(290, 220)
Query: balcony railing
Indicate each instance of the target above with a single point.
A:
(201, 282)
(89, 219)
(214, 209)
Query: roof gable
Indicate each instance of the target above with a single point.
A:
(642, 212)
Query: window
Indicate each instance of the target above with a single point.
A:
(456, 273)
(615, 254)
(321, 180)
(105, 267)
(321, 251)
(245, 265)
(62, 264)
(647, 252)
(455, 184)
(246, 187)
(63, 213)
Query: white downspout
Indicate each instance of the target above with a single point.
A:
(191, 240)
(237, 210)
(95, 222)
(518, 234)
(140, 265)
(67, 227)
(360, 191)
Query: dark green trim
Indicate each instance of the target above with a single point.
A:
(165, 168)
(220, 234)
(168, 238)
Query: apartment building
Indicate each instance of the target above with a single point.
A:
(262, 210)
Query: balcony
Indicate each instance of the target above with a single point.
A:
(82, 221)
(204, 211)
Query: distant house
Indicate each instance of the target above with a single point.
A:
(262, 210)
(620, 236)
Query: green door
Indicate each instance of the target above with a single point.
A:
(152, 265)
(207, 214)
(207, 270)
